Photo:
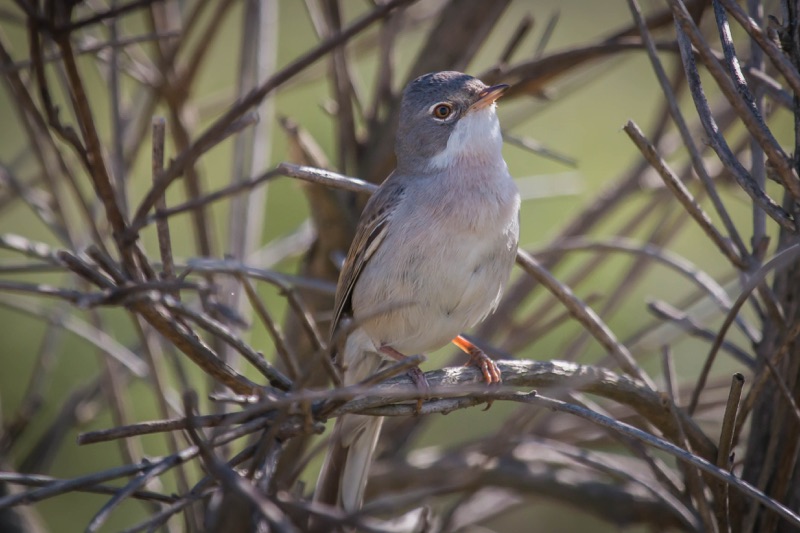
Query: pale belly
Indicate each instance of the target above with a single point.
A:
(418, 302)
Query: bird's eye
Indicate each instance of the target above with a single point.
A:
(442, 111)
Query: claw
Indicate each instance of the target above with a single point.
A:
(424, 388)
(416, 375)
(477, 358)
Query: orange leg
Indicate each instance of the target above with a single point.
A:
(477, 358)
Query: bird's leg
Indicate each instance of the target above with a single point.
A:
(416, 375)
(477, 358)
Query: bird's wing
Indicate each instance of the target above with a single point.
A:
(343, 476)
(370, 233)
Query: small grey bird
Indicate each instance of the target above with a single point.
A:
(431, 255)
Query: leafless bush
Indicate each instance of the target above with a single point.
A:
(701, 453)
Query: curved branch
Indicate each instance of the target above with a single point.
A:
(534, 467)
(542, 375)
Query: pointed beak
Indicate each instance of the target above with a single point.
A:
(488, 96)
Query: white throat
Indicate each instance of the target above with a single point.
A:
(476, 139)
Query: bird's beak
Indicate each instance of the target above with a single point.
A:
(488, 96)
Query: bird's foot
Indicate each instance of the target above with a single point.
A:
(478, 358)
(424, 388)
(416, 375)
(484, 363)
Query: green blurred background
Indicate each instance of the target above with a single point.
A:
(582, 119)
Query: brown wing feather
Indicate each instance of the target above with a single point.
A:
(369, 234)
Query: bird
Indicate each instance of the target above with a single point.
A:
(432, 253)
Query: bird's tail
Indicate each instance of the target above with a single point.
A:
(343, 477)
(344, 473)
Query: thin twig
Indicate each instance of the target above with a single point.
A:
(694, 481)
(738, 93)
(683, 195)
(682, 320)
(781, 260)
(326, 177)
(162, 225)
(92, 48)
(93, 155)
(232, 481)
(724, 459)
(718, 143)
(680, 454)
(585, 315)
(775, 54)
(39, 480)
(220, 331)
(281, 346)
(213, 134)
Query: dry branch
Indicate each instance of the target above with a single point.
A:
(76, 174)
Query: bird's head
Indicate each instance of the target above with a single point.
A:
(445, 119)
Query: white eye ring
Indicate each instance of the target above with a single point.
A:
(441, 110)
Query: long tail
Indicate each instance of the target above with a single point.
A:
(344, 473)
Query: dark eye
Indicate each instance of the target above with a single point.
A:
(442, 110)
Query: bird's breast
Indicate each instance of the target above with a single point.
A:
(441, 269)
